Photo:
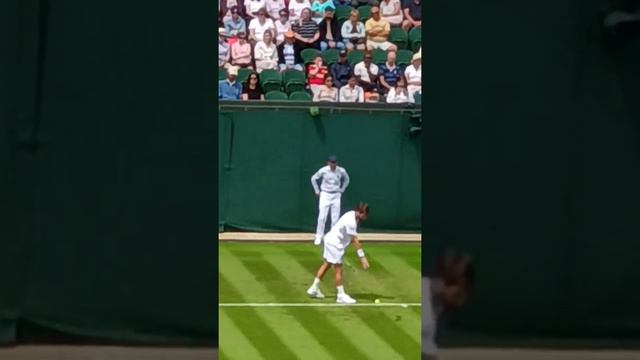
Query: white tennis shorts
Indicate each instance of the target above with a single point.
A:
(332, 254)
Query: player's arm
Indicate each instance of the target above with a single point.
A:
(314, 181)
(360, 252)
(345, 183)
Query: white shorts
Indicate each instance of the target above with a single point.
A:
(332, 254)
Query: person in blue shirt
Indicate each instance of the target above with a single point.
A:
(229, 88)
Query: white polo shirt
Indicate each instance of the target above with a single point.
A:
(343, 231)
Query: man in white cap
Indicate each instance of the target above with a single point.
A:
(334, 182)
(229, 88)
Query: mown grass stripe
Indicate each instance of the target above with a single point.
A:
(264, 339)
(413, 260)
(234, 345)
(391, 333)
(315, 322)
(236, 272)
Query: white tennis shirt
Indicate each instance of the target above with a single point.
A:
(343, 231)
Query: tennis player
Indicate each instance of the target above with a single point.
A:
(335, 242)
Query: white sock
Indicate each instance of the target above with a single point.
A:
(316, 282)
(340, 290)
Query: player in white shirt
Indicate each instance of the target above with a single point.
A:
(335, 242)
(334, 182)
(448, 289)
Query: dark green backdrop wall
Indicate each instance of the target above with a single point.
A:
(108, 170)
(267, 155)
(533, 166)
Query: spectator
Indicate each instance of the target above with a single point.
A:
(351, 92)
(341, 71)
(391, 12)
(223, 48)
(389, 73)
(413, 74)
(295, 9)
(282, 26)
(330, 37)
(317, 74)
(229, 89)
(378, 32)
(356, 3)
(353, 34)
(289, 54)
(367, 73)
(225, 9)
(235, 25)
(253, 6)
(252, 90)
(265, 53)
(258, 26)
(326, 92)
(412, 14)
(372, 97)
(307, 31)
(241, 53)
(399, 94)
(274, 7)
(318, 8)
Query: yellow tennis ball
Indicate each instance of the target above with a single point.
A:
(377, 301)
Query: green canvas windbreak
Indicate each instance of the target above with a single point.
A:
(107, 171)
(533, 168)
(267, 155)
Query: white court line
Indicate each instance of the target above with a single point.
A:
(405, 305)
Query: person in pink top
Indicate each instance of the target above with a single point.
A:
(241, 53)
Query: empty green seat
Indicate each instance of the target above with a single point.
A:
(294, 80)
(403, 57)
(379, 56)
(300, 96)
(415, 38)
(276, 95)
(243, 75)
(270, 80)
(365, 12)
(308, 55)
(342, 13)
(355, 56)
(399, 37)
(222, 73)
(330, 56)
(417, 98)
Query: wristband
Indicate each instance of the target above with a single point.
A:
(360, 253)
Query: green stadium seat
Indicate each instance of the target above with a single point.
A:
(309, 54)
(342, 13)
(365, 12)
(300, 96)
(276, 95)
(399, 37)
(270, 80)
(222, 73)
(294, 80)
(355, 56)
(417, 97)
(415, 38)
(379, 56)
(403, 57)
(243, 75)
(330, 56)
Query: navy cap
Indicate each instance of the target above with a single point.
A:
(332, 158)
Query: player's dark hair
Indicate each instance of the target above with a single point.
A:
(363, 208)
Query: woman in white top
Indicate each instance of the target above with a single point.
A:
(253, 6)
(266, 53)
(282, 26)
(413, 73)
(259, 25)
(326, 92)
(353, 32)
(273, 8)
(343, 233)
(391, 11)
(399, 94)
(296, 7)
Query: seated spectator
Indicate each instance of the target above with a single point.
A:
(252, 90)
(399, 94)
(274, 7)
(378, 31)
(317, 74)
(282, 26)
(341, 71)
(241, 53)
(229, 89)
(265, 53)
(356, 3)
(413, 74)
(371, 97)
(307, 31)
(330, 37)
(391, 12)
(258, 26)
(351, 92)
(225, 9)
(289, 54)
(412, 14)
(295, 9)
(353, 34)
(389, 73)
(223, 48)
(252, 7)
(367, 73)
(235, 25)
(326, 92)
(318, 8)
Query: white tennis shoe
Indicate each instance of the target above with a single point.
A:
(345, 299)
(317, 241)
(315, 293)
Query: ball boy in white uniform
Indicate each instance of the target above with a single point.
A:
(334, 182)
